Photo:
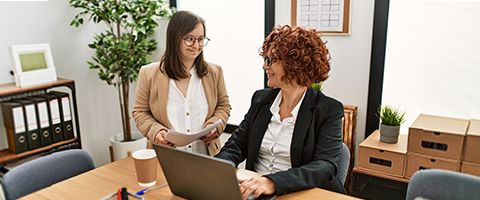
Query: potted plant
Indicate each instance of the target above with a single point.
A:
(390, 120)
(124, 46)
(317, 86)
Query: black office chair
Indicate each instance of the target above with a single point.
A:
(45, 171)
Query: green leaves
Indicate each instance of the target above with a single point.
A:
(390, 116)
(126, 45)
(316, 86)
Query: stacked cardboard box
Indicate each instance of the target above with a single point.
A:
(471, 157)
(383, 157)
(435, 142)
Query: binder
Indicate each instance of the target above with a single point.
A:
(14, 122)
(53, 108)
(65, 113)
(43, 120)
(33, 130)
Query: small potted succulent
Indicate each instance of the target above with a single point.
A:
(390, 121)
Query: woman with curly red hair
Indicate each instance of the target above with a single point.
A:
(291, 134)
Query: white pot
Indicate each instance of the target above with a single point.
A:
(121, 149)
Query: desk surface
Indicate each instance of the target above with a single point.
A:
(105, 180)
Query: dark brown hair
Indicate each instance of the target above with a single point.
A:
(304, 56)
(181, 23)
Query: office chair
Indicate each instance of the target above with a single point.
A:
(343, 163)
(441, 184)
(45, 171)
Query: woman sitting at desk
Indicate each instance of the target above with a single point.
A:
(291, 134)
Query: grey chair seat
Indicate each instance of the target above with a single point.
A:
(45, 171)
(343, 163)
(443, 185)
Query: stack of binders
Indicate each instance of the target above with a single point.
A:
(38, 121)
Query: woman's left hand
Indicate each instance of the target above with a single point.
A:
(256, 187)
(210, 136)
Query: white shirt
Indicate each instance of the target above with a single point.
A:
(274, 153)
(188, 113)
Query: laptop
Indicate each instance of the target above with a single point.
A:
(196, 176)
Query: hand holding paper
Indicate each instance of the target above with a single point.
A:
(183, 139)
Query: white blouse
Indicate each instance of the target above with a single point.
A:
(274, 153)
(188, 113)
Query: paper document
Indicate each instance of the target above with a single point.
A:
(183, 139)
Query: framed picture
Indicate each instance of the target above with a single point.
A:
(331, 17)
(33, 64)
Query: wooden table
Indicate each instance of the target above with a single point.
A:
(105, 180)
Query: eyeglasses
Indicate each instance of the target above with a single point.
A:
(268, 61)
(189, 40)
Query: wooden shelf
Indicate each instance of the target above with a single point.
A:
(10, 91)
(11, 88)
(6, 155)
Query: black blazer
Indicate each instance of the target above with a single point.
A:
(315, 147)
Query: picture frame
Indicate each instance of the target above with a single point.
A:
(33, 64)
(330, 17)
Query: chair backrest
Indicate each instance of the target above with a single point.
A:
(349, 127)
(343, 163)
(45, 171)
(441, 184)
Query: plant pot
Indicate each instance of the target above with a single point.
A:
(389, 134)
(121, 149)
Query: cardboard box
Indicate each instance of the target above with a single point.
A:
(472, 143)
(437, 136)
(383, 157)
(471, 168)
(416, 161)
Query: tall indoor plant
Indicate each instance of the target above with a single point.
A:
(125, 45)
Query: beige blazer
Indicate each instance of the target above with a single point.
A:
(150, 109)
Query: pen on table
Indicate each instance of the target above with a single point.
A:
(124, 193)
(119, 194)
(143, 191)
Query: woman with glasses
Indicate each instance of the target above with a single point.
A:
(182, 92)
(291, 134)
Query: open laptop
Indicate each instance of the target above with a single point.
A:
(195, 176)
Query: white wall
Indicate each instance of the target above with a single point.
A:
(48, 22)
(350, 62)
(237, 61)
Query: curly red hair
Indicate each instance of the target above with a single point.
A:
(305, 57)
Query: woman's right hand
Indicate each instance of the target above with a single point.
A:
(160, 139)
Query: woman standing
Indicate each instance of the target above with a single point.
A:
(183, 92)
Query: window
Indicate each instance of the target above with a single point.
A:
(431, 59)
